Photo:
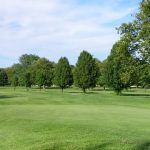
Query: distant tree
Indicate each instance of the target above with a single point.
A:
(28, 82)
(43, 72)
(40, 78)
(19, 71)
(28, 59)
(3, 78)
(14, 81)
(86, 71)
(63, 73)
(101, 81)
(9, 72)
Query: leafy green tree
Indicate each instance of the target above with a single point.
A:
(101, 79)
(43, 72)
(14, 81)
(40, 78)
(27, 60)
(19, 71)
(145, 76)
(28, 82)
(86, 71)
(22, 68)
(3, 78)
(119, 67)
(138, 32)
(63, 73)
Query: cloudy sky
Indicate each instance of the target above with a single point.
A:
(55, 28)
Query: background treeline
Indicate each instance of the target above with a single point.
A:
(128, 63)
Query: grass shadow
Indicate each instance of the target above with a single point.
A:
(82, 92)
(91, 93)
(98, 147)
(101, 89)
(7, 96)
(127, 94)
(74, 92)
(144, 146)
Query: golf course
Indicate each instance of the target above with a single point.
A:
(52, 120)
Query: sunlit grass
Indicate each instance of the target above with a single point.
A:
(51, 120)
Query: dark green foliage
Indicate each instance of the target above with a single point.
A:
(40, 78)
(27, 60)
(119, 68)
(86, 72)
(28, 82)
(138, 32)
(19, 71)
(102, 77)
(14, 81)
(63, 73)
(42, 72)
(3, 78)
(145, 76)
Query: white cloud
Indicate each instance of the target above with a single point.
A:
(54, 28)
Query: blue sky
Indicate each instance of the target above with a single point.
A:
(55, 28)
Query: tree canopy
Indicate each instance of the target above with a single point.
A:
(63, 73)
(86, 71)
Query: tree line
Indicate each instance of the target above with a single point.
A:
(128, 63)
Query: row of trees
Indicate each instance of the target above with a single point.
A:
(128, 63)
(33, 70)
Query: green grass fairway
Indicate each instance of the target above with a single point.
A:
(50, 120)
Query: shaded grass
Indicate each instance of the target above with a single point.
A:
(50, 120)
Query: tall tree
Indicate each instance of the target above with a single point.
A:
(63, 73)
(19, 72)
(119, 68)
(102, 78)
(138, 32)
(86, 71)
(43, 72)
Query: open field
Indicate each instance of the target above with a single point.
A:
(50, 120)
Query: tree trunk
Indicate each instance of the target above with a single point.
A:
(84, 91)
(104, 88)
(118, 92)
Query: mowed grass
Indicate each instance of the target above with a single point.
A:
(50, 120)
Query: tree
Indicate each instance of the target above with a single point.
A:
(19, 71)
(28, 82)
(138, 32)
(119, 67)
(145, 75)
(40, 78)
(27, 60)
(42, 72)
(14, 81)
(86, 71)
(3, 78)
(101, 78)
(63, 73)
